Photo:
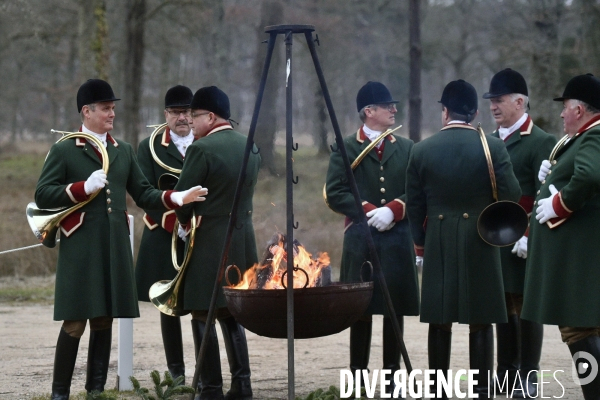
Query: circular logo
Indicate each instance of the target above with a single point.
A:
(584, 369)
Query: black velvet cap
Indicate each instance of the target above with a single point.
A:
(179, 96)
(94, 91)
(460, 97)
(585, 88)
(506, 81)
(373, 93)
(212, 99)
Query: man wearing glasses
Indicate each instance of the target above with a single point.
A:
(380, 178)
(154, 257)
(216, 159)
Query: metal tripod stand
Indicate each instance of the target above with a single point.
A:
(288, 31)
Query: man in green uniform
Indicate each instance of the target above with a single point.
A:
(519, 342)
(94, 275)
(215, 160)
(561, 283)
(380, 178)
(154, 257)
(447, 187)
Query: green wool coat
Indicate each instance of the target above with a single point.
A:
(94, 275)
(563, 271)
(214, 162)
(527, 147)
(154, 256)
(447, 187)
(379, 183)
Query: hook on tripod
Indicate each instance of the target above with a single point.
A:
(295, 147)
(295, 181)
(316, 40)
(257, 150)
(333, 149)
(296, 224)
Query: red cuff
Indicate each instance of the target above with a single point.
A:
(166, 199)
(398, 208)
(527, 203)
(368, 206)
(419, 250)
(168, 221)
(76, 192)
(559, 206)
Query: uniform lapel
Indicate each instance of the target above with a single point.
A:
(87, 149)
(389, 148)
(112, 148)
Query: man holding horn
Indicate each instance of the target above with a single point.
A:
(94, 275)
(380, 178)
(448, 186)
(154, 261)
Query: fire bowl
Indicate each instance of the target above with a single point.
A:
(318, 311)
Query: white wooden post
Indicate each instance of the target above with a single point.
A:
(125, 357)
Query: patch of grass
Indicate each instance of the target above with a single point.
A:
(27, 295)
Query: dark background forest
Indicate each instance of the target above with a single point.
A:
(143, 47)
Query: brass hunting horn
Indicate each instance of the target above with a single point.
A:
(166, 295)
(504, 222)
(45, 223)
(362, 155)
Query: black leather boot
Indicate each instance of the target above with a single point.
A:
(210, 384)
(360, 346)
(532, 335)
(173, 343)
(64, 364)
(439, 343)
(98, 359)
(236, 346)
(508, 349)
(391, 350)
(481, 357)
(591, 345)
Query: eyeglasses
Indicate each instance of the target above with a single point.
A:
(194, 115)
(390, 107)
(175, 113)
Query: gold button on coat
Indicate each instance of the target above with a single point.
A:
(441, 216)
(538, 192)
(554, 162)
(108, 201)
(381, 179)
(382, 201)
(465, 215)
(544, 182)
(109, 210)
(382, 190)
(381, 168)
(107, 191)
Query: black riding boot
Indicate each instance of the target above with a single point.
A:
(210, 384)
(439, 343)
(391, 349)
(64, 364)
(236, 346)
(360, 346)
(532, 335)
(171, 334)
(591, 345)
(508, 348)
(98, 359)
(481, 357)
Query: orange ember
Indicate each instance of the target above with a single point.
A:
(268, 273)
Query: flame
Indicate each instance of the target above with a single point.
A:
(268, 274)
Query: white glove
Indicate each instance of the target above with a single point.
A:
(95, 182)
(545, 211)
(195, 193)
(182, 233)
(381, 218)
(520, 247)
(419, 261)
(544, 169)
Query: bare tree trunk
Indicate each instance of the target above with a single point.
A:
(93, 37)
(266, 126)
(545, 64)
(415, 114)
(321, 123)
(133, 69)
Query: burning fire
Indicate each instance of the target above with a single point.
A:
(268, 273)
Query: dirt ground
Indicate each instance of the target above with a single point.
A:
(29, 336)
